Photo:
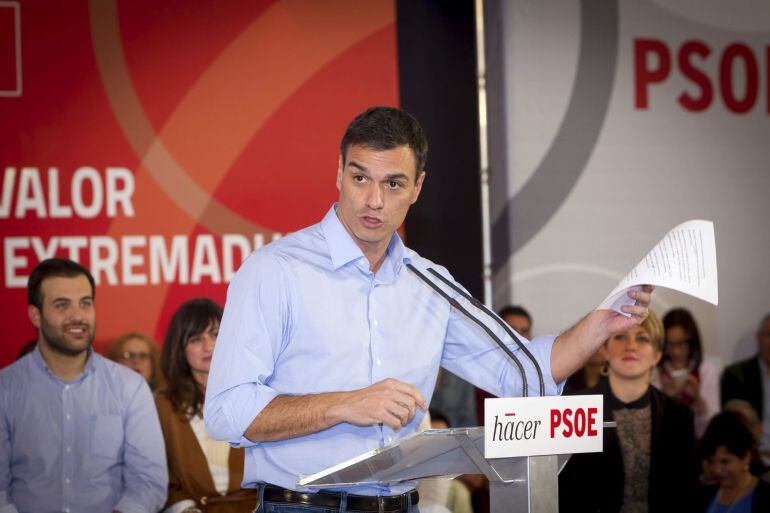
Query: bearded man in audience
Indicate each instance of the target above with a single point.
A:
(78, 432)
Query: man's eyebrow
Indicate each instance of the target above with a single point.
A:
(396, 176)
(63, 298)
(358, 166)
(388, 178)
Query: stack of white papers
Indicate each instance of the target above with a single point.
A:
(684, 260)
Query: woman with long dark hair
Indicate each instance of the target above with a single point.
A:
(204, 474)
(684, 373)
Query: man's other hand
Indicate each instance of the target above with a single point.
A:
(389, 402)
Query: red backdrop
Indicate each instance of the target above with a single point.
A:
(159, 142)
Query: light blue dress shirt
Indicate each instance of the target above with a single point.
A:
(304, 315)
(93, 444)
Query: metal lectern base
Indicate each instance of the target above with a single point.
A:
(541, 496)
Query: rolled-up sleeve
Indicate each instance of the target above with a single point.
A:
(472, 354)
(145, 474)
(255, 326)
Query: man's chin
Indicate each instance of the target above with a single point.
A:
(70, 347)
(366, 236)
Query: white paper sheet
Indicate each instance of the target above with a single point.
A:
(684, 260)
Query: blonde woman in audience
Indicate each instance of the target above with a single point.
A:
(204, 474)
(140, 353)
(649, 462)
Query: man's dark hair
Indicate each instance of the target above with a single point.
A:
(54, 268)
(385, 128)
(728, 429)
(514, 310)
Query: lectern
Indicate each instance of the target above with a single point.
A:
(524, 484)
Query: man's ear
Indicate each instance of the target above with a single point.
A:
(34, 315)
(418, 187)
(339, 173)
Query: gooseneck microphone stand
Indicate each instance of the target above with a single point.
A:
(455, 304)
(481, 306)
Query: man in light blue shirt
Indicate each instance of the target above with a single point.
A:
(78, 433)
(329, 344)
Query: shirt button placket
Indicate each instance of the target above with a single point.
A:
(374, 335)
(377, 371)
(68, 440)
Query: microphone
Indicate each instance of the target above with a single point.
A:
(454, 303)
(481, 306)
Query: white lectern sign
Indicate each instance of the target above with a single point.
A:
(537, 426)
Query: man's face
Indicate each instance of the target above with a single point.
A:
(520, 324)
(763, 340)
(376, 190)
(67, 321)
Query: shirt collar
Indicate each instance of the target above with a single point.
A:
(37, 358)
(344, 250)
(642, 402)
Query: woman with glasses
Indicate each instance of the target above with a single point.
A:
(684, 373)
(204, 474)
(140, 353)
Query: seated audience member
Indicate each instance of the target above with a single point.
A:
(140, 353)
(727, 450)
(518, 318)
(456, 397)
(750, 418)
(204, 474)
(683, 371)
(750, 380)
(589, 375)
(77, 431)
(649, 461)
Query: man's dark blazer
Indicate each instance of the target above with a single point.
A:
(743, 380)
(593, 482)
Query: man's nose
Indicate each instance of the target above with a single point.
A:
(375, 199)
